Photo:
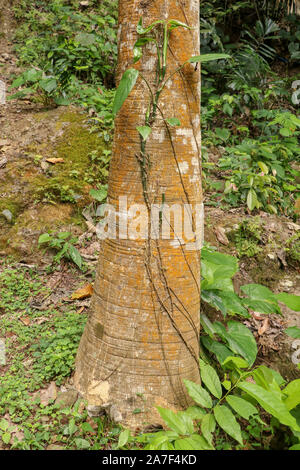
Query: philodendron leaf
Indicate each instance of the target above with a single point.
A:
(137, 48)
(173, 121)
(227, 422)
(175, 24)
(198, 394)
(208, 57)
(141, 30)
(99, 194)
(144, 131)
(210, 379)
(126, 85)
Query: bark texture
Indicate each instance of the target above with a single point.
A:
(142, 335)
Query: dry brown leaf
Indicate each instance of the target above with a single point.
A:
(55, 160)
(264, 327)
(258, 316)
(84, 292)
(221, 235)
(25, 320)
(49, 394)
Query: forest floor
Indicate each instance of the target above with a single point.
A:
(45, 179)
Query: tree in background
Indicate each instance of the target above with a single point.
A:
(142, 335)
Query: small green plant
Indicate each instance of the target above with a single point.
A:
(292, 248)
(55, 351)
(247, 237)
(36, 83)
(224, 405)
(63, 242)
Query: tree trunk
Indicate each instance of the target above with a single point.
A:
(142, 336)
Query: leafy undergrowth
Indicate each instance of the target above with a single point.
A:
(40, 351)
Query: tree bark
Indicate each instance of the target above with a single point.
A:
(142, 335)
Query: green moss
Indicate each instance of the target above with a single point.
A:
(71, 180)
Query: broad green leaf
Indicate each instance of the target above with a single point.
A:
(235, 362)
(216, 258)
(32, 75)
(263, 167)
(290, 300)
(293, 332)
(195, 412)
(6, 436)
(173, 121)
(227, 422)
(175, 24)
(44, 238)
(233, 303)
(144, 131)
(126, 85)
(17, 82)
(123, 438)
(48, 84)
(188, 420)
(257, 291)
(261, 299)
(220, 350)
(223, 134)
(208, 425)
(141, 30)
(99, 194)
(241, 341)
(198, 394)
(194, 442)
(75, 255)
(292, 390)
(137, 48)
(210, 379)
(271, 402)
(262, 306)
(82, 443)
(211, 297)
(208, 57)
(252, 201)
(207, 325)
(63, 235)
(241, 406)
(173, 420)
(295, 447)
(268, 378)
(4, 424)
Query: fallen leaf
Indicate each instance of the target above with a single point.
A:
(221, 235)
(264, 327)
(25, 320)
(55, 160)
(84, 292)
(49, 394)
